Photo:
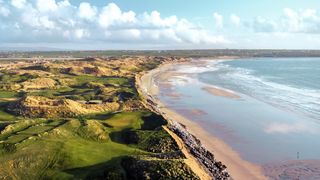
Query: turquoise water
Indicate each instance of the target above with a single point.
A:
(277, 116)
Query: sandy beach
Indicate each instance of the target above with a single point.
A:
(236, 166)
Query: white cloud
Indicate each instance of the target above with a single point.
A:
(86, 11)
(218, 18)
(4, 11)
(302, 21)
(46, 23)
(112, 15)
(46, 5)
(292, 20)
(81, 33)
(18, 3)
(58, 21)
(235, 19)
(262, 24)
(155, 19)
(64, 3)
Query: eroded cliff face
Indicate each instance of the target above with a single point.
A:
(36, 106)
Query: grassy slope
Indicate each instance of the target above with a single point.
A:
(77, 156)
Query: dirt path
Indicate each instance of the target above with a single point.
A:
(190, 160)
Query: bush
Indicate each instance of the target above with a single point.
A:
(158, 141)
(137, 169)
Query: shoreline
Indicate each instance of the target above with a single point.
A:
(236, 166)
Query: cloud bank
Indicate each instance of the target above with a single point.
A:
(53, 21)
(302, 21)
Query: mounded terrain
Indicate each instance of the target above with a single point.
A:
(83, 119)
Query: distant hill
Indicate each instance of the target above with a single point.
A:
(53, 53)
(29, 49)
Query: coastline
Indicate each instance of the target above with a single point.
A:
(236, 166)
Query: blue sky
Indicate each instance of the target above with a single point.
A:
(162, 24)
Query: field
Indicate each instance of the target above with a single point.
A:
(87, 141)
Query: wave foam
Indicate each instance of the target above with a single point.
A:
(285, 96)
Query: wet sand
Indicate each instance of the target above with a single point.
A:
(220, 92)
(236, 166)
(294, 169)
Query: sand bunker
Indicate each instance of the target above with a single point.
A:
(36, 106)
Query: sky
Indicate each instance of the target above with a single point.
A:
(161, 24)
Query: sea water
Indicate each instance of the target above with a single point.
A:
(276, 118)
(290, 83)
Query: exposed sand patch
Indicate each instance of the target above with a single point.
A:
(296, 169)
(39, 83)
(220, 92)
(192, 112)
(37, 106)
(174, 95)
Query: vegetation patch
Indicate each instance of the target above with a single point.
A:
(158, 141)
(137, 169)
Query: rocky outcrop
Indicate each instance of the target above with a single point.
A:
(205, 157)
(36, 106)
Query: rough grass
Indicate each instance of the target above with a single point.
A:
(117, 81)
(10, 78)
(5, 116)
(8, 94)
(154, 169)
(157, 141)
(79, 155)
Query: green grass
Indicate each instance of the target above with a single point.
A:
(34, 130)
(125, 120)
(17, 138)
(9, 94)
(10, 78)
(156, 141)
(119, 81)
(51, 93)
(144, 120)
(20, 126)
(78, 152)
(79, 155)
(4, 116)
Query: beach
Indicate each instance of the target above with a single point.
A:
(236, 166)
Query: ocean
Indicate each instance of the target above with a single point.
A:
(288, 83)
(277, 117)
